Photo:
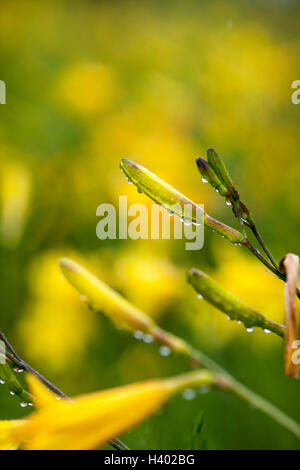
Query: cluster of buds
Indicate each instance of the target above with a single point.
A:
(214, 171)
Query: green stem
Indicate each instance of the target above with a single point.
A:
(260, 240)
(230, 383)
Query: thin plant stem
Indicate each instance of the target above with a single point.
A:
(228, 382)
(262, 243)
(274, 270)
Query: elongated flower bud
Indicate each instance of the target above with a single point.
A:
(216, 162)
(172, 200)
(103, 298)
(229, 304)
(220, 169)
(208, 175)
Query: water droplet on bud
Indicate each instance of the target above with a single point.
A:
(148, 339)
(138, 335)
(164, 351)
(188, 394)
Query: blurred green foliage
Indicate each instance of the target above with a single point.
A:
(90, 82)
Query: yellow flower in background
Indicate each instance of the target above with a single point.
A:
(15, 192)
(150, 281)
(88, 87)
(88, 421)
(55, 328)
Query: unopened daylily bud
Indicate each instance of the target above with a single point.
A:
(229, 304)
(209, 176)
(220, 169)
(103, 298)
(172, 200)
(239, 208)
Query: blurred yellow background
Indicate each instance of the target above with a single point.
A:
(91, 82)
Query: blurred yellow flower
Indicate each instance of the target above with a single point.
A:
(56, 328)
(15, 195)
(150, 281)
(88, 87)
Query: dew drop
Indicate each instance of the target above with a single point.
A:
(2, 382)
(239, 322)
(267, 331)
(30, 404)
(12, 393)
(148, 338)
(249, 330)
(203, 180)
(228, 317)
(170, 213)
(200, 297)
(188, 394)
(23, 404)
(138, 335)
(164, 351)
(228, 203)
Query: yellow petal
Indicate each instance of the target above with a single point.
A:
(42, 396)
(7, 440)
(91, 420)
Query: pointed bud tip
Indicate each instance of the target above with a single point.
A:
(202, 164)
(66, 263)
(125, 162)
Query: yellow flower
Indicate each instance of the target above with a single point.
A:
(88, 421)
(88, 87)
(7, 441)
